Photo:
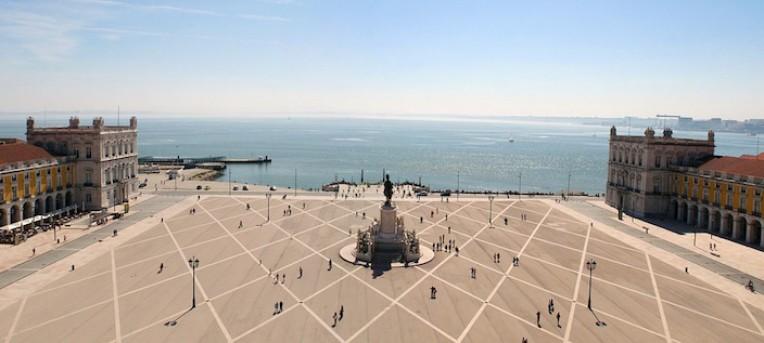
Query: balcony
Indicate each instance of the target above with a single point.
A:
(728, 207)
(59, 187)
(742, 210)
(87, 184)
(756, 214)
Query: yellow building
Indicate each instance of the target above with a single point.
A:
(724, 195)
(34, 185)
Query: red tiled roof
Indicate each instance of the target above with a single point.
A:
(754, 157)
(18, 150)
(744, 165)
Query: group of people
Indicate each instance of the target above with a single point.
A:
(192, 210)
(337, 317)
(550, 311)
(497, 258)
(288, 210)
(443, 245)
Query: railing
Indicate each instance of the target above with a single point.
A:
(742, 210)
(728, 207)
(87, 184)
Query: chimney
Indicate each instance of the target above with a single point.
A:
(133, 123)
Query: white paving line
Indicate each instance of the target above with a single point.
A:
(667, 333)
(577, 288)
(16, 319)
(198, 284)
(115, 294)
(395, 301)
(296, 298)
(498, 285)
(712, 317)
(77, 311)
(755, 322)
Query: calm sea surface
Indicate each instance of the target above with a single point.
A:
(320, 149)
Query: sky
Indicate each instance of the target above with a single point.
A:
(465, 58)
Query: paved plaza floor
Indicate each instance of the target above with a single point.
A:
(124, 296)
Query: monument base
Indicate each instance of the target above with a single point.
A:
(348, 253)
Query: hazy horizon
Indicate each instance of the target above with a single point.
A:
(392, 58)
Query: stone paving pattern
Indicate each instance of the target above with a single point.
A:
(122, 297)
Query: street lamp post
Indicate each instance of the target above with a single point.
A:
(295, 181)
(457, 184)
(490, 210)
(268, 198)
(229, 182)
(193, 262)
(590, 265)
(520, 191)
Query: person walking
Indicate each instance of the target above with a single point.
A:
(433, 292)
(330, 264)
(161, 268)
(334, 317)
(300, 271)
(342, 311)
(281, 306)
(538, 318)
(558, 320)
(34, 250)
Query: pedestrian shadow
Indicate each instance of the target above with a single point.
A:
(598, 322)
(174, 322)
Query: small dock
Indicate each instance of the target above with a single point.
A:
(258, 160)
(213, 161)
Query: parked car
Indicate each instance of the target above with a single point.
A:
(421, 194)
(199, 187)
(272, 189)
(244, 188)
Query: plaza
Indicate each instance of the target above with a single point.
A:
(122, 295)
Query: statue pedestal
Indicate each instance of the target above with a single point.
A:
(387, 243)
(387, 221)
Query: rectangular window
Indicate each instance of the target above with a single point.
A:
(742, 199)
(88, 198)
(88, 152)
(657, 161)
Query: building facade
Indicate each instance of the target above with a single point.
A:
(681, 179)
(641, 168)
(34, 185)
(104, 158)
(724, 196)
